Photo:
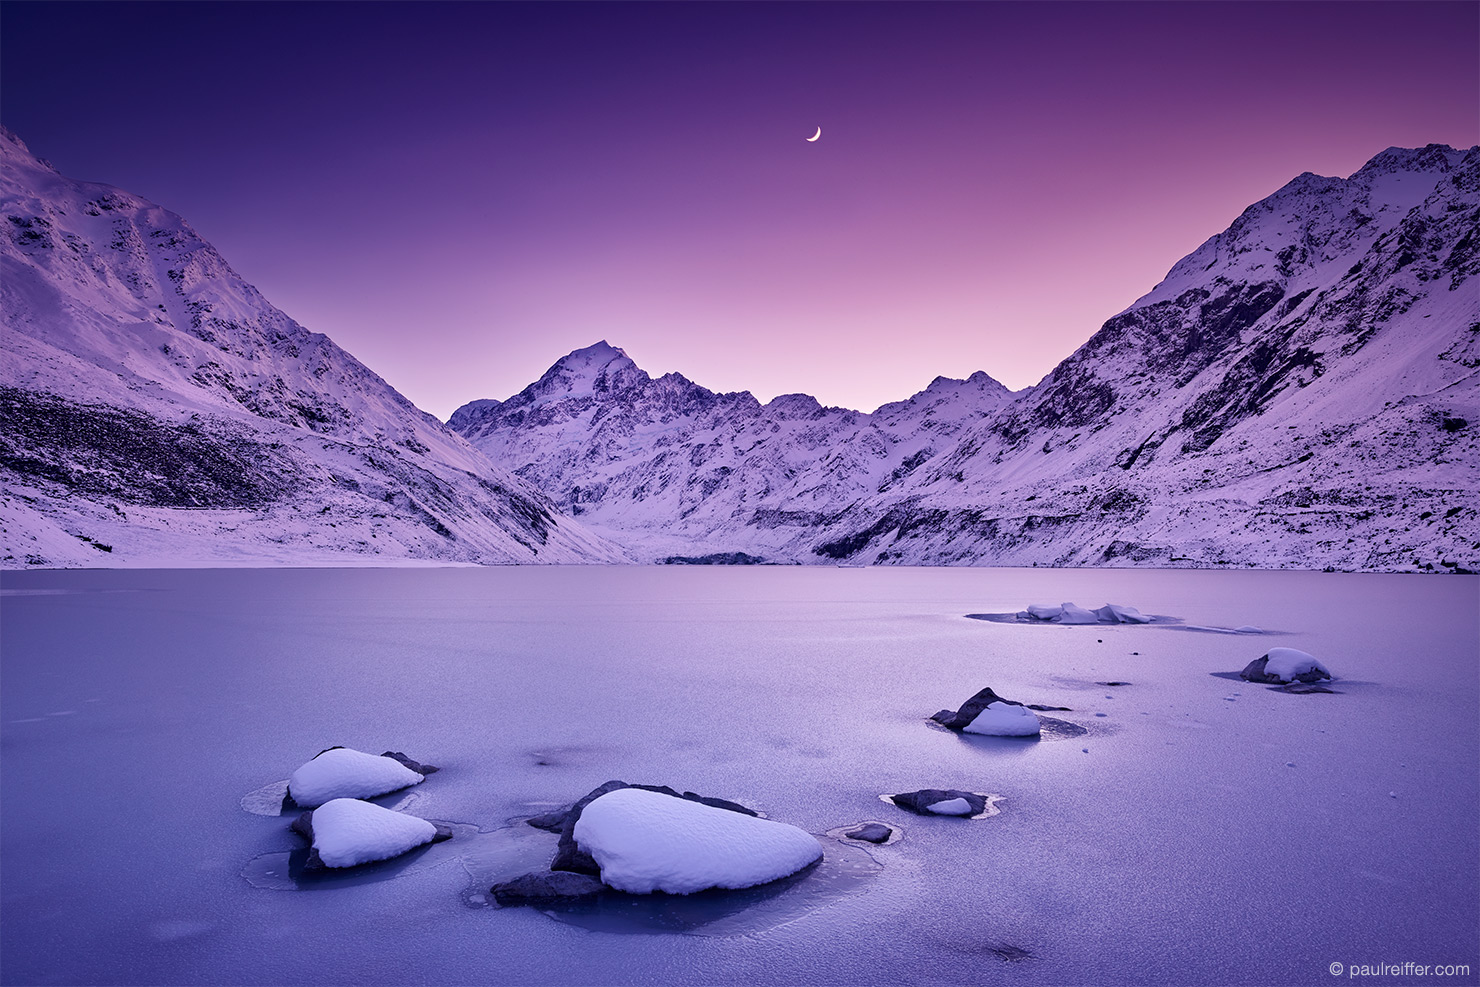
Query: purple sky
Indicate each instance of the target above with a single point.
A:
(460, 194)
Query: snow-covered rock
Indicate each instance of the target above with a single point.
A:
(941, 801)
(647, 841)
(346, 832)
(1003, 719)
(342, 772)
(993, 715)
(1284, 665)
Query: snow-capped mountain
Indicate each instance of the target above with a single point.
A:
(1300, 391)
(158, 410)
(682, 471)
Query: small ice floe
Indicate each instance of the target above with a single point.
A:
(646, 841)
(342, 772)
(347, 832)
(946, 802)
(1248, 629)
(1281, 666)
(1072, 613)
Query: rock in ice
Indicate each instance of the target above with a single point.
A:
(1281, 666)
(647, 841)
(342, 772)
(990, 714)
(347, 832)
(1003, 719)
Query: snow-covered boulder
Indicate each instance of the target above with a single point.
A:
(568, 854)
(941, 802)
(1281, 666)
(1004, 719)
(988, 713)
(342, 772)
(647, 841)
(347, 832)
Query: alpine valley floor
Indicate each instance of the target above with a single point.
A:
(1201, 831)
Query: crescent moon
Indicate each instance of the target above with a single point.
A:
(816, 135)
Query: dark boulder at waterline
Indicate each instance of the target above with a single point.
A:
(548, 888)
(870, 833)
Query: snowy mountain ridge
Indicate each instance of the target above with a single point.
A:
(1297, 392)
(158, 410)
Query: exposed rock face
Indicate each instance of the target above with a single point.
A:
(157, 408)
(1297, 392)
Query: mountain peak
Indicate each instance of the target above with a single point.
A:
(1430, 157)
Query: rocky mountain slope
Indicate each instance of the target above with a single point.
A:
(1303, 390)
(158, 410)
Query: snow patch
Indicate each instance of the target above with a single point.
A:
(951, 807)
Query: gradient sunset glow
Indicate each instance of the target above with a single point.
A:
(461, 193)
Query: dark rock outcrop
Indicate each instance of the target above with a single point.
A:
(548, 888)
(870, 833)
(418, 767)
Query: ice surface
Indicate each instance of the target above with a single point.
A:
(1287, 663)
(1004, 720)
(343, 772)
(348, 832)
(797, 691)
(646, 841)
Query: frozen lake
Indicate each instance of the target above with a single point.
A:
(1202, 831)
